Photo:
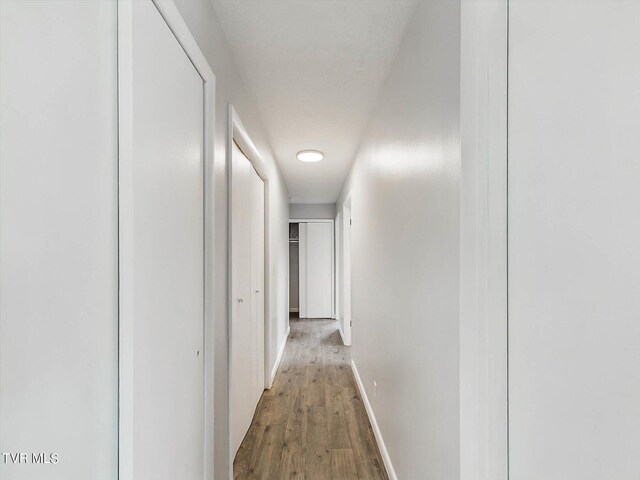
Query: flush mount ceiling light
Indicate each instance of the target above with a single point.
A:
(310, 155)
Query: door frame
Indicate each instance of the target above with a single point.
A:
(333, 263)
(238, 134)
(484, 307)
(337, 233)
(178, 27)
(346, 278)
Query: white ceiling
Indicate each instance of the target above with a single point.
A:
(315, 68)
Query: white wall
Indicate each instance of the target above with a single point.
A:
(312, 210)
(58, 238)
(574, 233)
(205, 27)
(405, 204)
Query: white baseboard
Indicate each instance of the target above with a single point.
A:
(279, 357)
(374, 424)
(294, 310)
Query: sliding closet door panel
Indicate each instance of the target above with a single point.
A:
(58, 239)
(168, 257)
(319, 284)
(257, 279)
(243, 357)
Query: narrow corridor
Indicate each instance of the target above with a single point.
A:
(312, 423)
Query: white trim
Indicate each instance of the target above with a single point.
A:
(310, 220)
(125, 242)
(347, 273)
(483, 365)
(175, 22)
(337, 295)
(274, 370)
(238, 133)
(291, 310)
(374, 425)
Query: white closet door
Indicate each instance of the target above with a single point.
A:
(257, 279)
(247, 309)
(162, 257)
(319, 271)
(242, 372)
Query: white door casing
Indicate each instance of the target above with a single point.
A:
(337, 269)
(165, 160)
(346, 270)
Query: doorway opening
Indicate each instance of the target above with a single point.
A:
(314, 258)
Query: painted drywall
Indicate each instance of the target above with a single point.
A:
(201, 19)
(483, 237)
(574, 232)
(312, 210)
(58, 239)
(405, 209)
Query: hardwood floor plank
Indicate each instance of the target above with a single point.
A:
(292, 465)
(363, 442)
(336, 418)
(265, 462)
(318, 465)
(295, 437)
(274, 410)
(343, 465)
(317, 429)
(242, 462)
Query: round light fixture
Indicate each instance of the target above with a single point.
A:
(310, 155)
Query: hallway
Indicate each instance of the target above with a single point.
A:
(312, 423)
(201, 199)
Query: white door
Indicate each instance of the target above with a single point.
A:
(165, 258)
(247, 308)
(319, 269)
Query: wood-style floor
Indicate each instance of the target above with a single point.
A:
(312, 424)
